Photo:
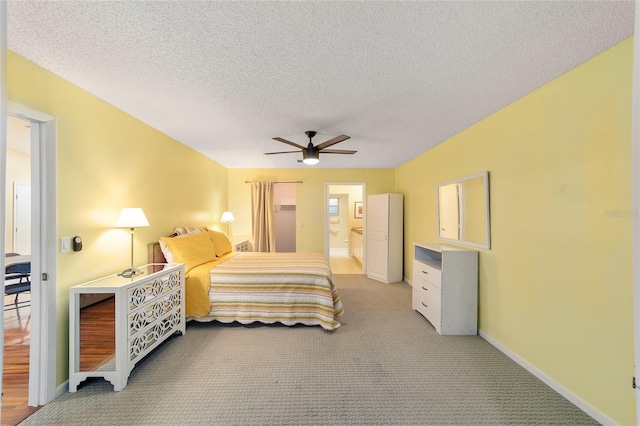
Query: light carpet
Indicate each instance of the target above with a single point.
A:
(385, 365)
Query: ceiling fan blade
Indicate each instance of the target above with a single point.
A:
(289, 142)
(337, 151)
(333, 141)
(281, 152)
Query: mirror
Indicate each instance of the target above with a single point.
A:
(97, 332)
(463, 211)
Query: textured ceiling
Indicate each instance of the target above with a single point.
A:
(398, 77)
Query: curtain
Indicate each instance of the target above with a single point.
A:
(262, 215)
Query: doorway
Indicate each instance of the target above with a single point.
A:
(284, 201)
(43, 315)
(344, 227)
(17, 319)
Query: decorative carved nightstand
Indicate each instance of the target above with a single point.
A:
(148, 309)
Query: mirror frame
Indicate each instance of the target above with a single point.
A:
(487, 243)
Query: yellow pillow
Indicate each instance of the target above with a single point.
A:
(220, 242)
(192, 250)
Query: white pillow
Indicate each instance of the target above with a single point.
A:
(186, 230)
(166, 252)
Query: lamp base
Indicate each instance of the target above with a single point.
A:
(131, 272)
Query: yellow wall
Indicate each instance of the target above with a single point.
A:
(107, 160)
(310, 197)
(555, 288)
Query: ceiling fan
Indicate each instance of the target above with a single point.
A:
(311, 153)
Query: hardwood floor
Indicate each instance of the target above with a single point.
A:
(15, 378)
(97, 346)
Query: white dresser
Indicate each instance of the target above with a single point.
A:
(241, 245)
(445, 287)
(148, 309)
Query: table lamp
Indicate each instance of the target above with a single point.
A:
(227, 217)
(131, 218)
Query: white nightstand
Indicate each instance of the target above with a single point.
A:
(148, 309)
(241, 245)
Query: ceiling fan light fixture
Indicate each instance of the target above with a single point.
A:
(311, 161)
(310, 156)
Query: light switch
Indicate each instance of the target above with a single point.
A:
(65, 244)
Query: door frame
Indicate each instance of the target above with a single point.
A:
(3, 153)
(43, 348)
(327, 247)
(635, 204)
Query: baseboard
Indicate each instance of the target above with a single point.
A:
(597, 415)
(62, 389)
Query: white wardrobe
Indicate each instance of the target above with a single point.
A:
(384, 237)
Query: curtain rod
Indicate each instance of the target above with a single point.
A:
(290, 181)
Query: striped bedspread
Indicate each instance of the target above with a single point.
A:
(289, 288)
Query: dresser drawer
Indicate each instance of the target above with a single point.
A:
(427, 272)
(143, 318)
(426, 300)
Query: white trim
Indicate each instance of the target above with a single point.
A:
(556, 386)
(37, 266)
(48, 246)
(635, 205)
(62, 389)
(26, 113)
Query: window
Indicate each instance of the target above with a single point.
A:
(334, 207)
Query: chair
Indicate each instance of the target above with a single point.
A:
(17, 280)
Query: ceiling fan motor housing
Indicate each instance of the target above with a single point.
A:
(310, 152)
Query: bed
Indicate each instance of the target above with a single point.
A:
(246, 287)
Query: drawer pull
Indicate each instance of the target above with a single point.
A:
(424, 288)
(426, 306)
(425, 272)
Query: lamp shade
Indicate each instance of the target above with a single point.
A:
(132, 217)
(227, 217)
